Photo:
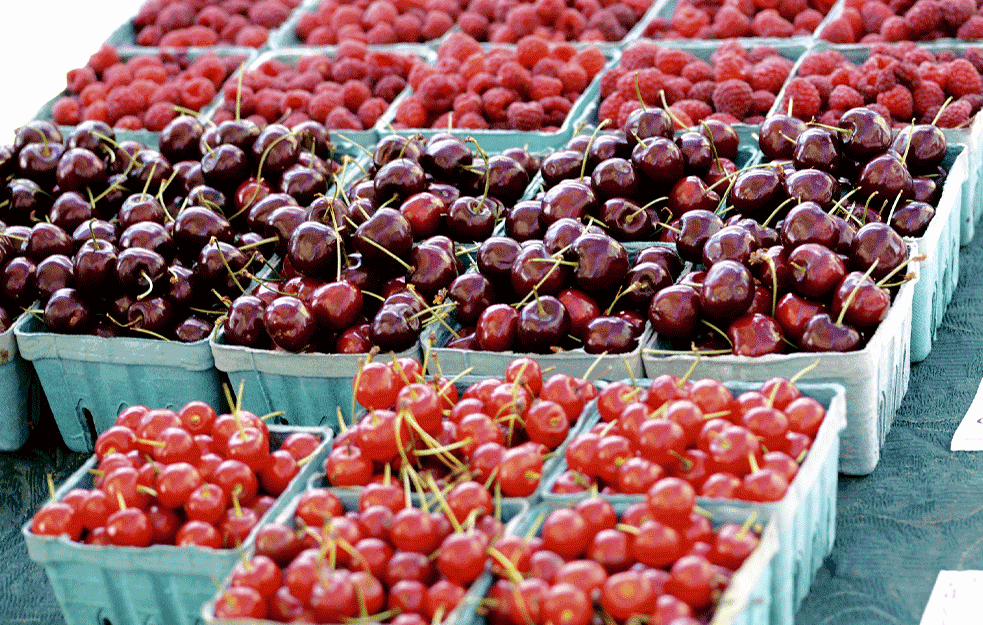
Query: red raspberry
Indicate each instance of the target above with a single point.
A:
(955, 115)
(157, 116)
(481, 83)
(79, 79)
(496, 100)
(822, 84)
(672, 61)
(676, 88)
(574, 78)
(926, 96)
(389, 87)
(323, 103)
(435, 24)
(918, 56)
(347, 69)
(898, 102)
(821, 63)
(838, 30)
(844, 98)
(196, 93)
(371, 110)
(571, 23)
(931, 71)
(769, 23)
(922, 18)
(702, 91)
(467, 103)
(762, 101)
(975, 56)
(729, 48)
(696, 110)
(66, 111)
(437, 93)
(531, 49)
(874, 13)
(591, 59)
(472, 121)
(697, 70)
(170, 93)
(639, 55)
(545, 86)
(856, 21)
(512, 75)
(556, 108)
(808, 20)
(354, 93)
(525, 116)
(609, 81)
(269, 104)
(682, 119)
(343, 119)
(770, 74)
(731, 67)
(956, 12)
(610, 106)
(962, 79)
(894, 28)
(975, 101)
(411, 113)
(731, 22)
(831, 117)
(460, 46)
(625, 110)
(759, 53)
(688, 20)
(804, 98)
(734, 97)
(648, 82)
(103, 58)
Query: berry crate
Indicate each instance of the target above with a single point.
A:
(511, 513)
(162, 584)
(748, 597)
(805, 518)
(20, 386)
(875, 378)
(89, 379)
(310, 388)
(496, 141)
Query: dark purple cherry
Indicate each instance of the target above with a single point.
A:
(281, 224)
(139, 207)
(472, 218)
(434, 268)
(723, 136)
(561, 165)
(495, 258)
(643, 281)
(695, 229)
(602, 263)
(276, 148)
(242, 133)
(755, 334)
(386, 230)
(260, 212)
(302, 183)
(529, 161)
(885, 180)
(816, 270)
(922, 146)
(27, 201)
(244, 323)
(561, 233)
(36, 131)
(18, 281)
(523, 222)
(866, 303)
(812, 185)
(817, 148)
(659, 160)
(39, 162)
(392, 146)
(626, 220)
(313, 249)
(614, 177)
(192, 329)
(138, 270)
(697, 153)
(569, 198)
(543, 323)
(823, 334)
(912, 219)
(605, 146)
(195, 226)
(690, 194)
(665, 256)
(471, 293)
(808, 223)
(648, 122)
(154, 314)
(70, 209)
(497, 328)
(180, 139)
(149, 235)
(151, 171)
(216, 263)
(536, 269)
(675, 312)
(611, 335)
(67, 312)
(757, 192)
(867, 133)
(53, 273)
(727, 292)
(290, 323)
(446, 157)
(395, 328)
(79, 169)
(182, 286)
(877, 242)
(46, 239)
(399, 178)
(778, 134)
(729, 243)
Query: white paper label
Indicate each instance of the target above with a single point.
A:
(955, 599)
(969, 434)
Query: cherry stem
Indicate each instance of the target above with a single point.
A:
(583, 164)
(120, 501)
(503, 561)
(777, 210)
(51, 487)
(795, 378)
(883, 281)
(389, 253)
(718, 331)
(935, 122)
(443, 504)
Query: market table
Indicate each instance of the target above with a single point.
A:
(919, 512)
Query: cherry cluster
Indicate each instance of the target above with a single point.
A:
(902, 82)
(497, 430)
(386, 561)
(746, 447)
(144, 90)
(185, 23)
(737, 84)
(876, 21)
(186, 477)
(528, 87)
(349, 90)
(659, 561)
(392, 235)
(716, 19)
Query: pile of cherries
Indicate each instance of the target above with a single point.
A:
(747, 447)
(369, 268)
(386, 562)
(658, 560)
(497, 430)
(186, 477)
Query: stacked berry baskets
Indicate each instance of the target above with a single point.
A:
(445, 228)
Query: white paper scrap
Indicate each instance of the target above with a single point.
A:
(955, 599)
(969, 434)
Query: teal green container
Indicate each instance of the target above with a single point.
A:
(21, 392)
(158, 585)
(89, 379)
(805, 520)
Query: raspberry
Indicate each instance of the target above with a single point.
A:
(682, 120)
(898, 101)
(196, 93)
(696, 110)
(103, 58)
(591, 59)
(411, 113)
(962, 79)
(574, 78)
(731, 67)
(822, 84)
(389, 87)
(922, 18)
(530, 50)
(157, 116)
(945, 56)
(169, 94)
(697, 70)
(437, 93)
(460, 46)
(762, 101)
(545, 86)
(930, 71)
(702, 91)
(525, 116)
(496, 100)
(79, 79)
(296, 100)
(804, 98)
(343, 119)
(831, 117)
(975, 56)
(730, 22)
(66, 111)
(770, 74)
(625, 110)
(473, 121)
(512, 75)
(571, 23)
(732, 96)
(676, 88)
(926, 96)
(971, 29)
(821, 63)
(609, 81)
(648, 82)
(874, 13)
(894, 28)
(956, 12)
(347, 69)
(808, 20)
(96, 111)
(370, 111)
(672, 61)
(556, 108)
(481, 83)
(729, 48)
(856, 21)
(838, 30)
(323, 103)
(639, 56)
(435, 24)
(975, 101)
(769, 23)
(844, 97)
(467, 103)
(687, 20)
(609, 107)
(382, 33)
(269, 104)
